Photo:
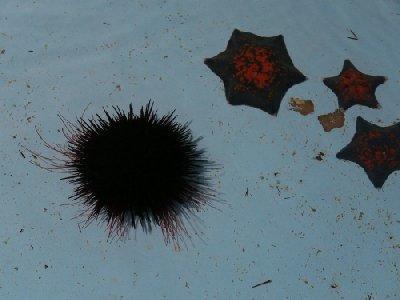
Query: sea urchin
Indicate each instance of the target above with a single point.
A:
(136, 169)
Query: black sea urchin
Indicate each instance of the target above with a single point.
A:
(136, 169)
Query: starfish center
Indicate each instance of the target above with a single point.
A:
(374, 153)
(355, 86)
(253, 66)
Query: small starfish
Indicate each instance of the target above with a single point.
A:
(376, 149)
(256, 71)
(354, 87)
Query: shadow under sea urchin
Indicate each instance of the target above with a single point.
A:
(135, 169)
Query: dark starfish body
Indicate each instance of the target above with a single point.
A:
(376, 149)
(256, 71)
(354, 87)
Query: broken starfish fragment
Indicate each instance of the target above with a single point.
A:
(304, 107)
(332, 120)
(354, 87)
(256, 71)
(376, 149)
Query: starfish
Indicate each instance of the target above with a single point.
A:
(257, 71)
(354, 87)
(376, 149)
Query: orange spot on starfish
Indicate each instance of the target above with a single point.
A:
(254, 67)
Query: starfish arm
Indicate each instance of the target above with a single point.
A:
(331, 82)
(363, 125)
(235, 39)
(377, 178)
(296, 76)
(274, 99)
(240, 38)
(347, 65)
(372, 103)
(233, 97)
(278, 42)
(218, 64)
(378, 80)
(346, 153)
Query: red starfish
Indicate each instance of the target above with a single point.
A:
(256, 71)
(354, 87)
(376, 149)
